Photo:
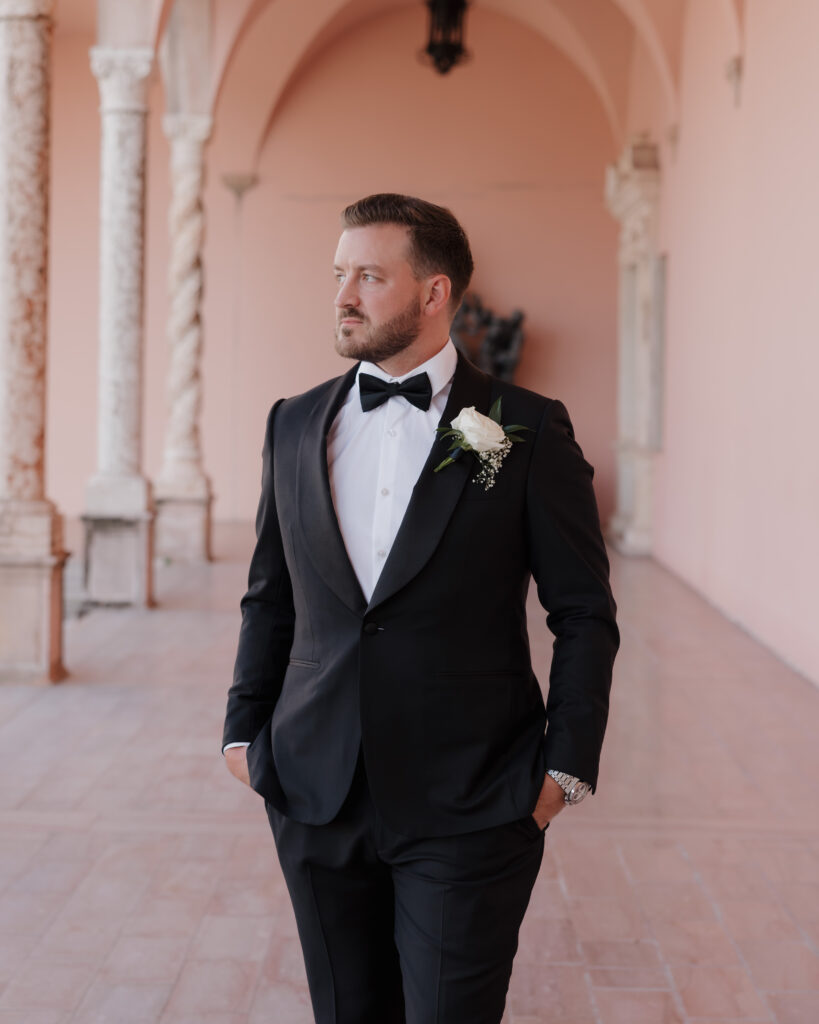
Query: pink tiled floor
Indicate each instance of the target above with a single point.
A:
(138, 882)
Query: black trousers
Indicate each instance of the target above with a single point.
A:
(406, 931)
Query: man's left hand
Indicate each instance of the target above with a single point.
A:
(551, 801)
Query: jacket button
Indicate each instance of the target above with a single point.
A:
(370, 628)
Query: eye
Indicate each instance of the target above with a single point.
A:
(369, 277)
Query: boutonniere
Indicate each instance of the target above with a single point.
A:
(485, 436)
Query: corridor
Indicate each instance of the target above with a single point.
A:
(138, 881)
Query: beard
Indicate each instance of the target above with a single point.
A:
(382, 342)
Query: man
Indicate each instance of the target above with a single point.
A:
(383, 678)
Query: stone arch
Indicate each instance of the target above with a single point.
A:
(659, 49)
(330, 17)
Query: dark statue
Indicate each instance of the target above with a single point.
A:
(491, 342)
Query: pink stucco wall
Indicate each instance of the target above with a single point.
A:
(737, 499)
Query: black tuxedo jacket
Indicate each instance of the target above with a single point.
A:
(433, 676)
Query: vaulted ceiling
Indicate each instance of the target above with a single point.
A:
(598, 36)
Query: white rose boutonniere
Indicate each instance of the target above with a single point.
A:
(491, 442)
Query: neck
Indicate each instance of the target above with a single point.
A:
(412, 357)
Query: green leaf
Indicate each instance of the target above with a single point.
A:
(516, 426)
(441, 465)
(495, 411)
(514, 437)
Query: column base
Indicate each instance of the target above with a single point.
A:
(629, 539)
(31, 592)
(183, 528)
(118, 565)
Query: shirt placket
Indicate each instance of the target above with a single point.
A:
(394, 427)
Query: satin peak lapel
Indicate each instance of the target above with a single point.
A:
(318, 521)
(435, 495)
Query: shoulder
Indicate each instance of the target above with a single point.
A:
(546, 417)
(522, 405)
(294, 410)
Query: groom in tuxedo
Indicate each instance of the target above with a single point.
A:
(383, 701)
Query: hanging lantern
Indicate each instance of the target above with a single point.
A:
(445, 48)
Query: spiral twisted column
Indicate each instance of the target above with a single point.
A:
(119, 503)
(31, 546)
(183, 493)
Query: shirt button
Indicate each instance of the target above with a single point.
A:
(381, 552)
(385, 491)
(392, 433)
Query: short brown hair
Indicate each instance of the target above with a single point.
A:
(438, 243)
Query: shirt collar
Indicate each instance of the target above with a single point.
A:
(440, 368)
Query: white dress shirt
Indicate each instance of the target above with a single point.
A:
(374, 459)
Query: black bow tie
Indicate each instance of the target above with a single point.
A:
(374, 391)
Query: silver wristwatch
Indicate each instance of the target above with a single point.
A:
(572, 787)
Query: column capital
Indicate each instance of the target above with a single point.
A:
(124, 77)
(633, 198)
(25, 9)
(634, 180)
(188, 134)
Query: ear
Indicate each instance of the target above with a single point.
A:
(437, 290)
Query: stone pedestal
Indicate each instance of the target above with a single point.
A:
(630, 528)
(31, 543)
(118, 565)
(31, 590)
(183, 529)
(119, 512)
(119, 541)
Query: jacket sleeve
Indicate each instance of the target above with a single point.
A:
(571, 570)
(268, 616)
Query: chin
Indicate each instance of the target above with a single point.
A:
(347, 347)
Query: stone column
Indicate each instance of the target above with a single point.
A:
(119, 503)
(31, 543)
(632, 195)
(183, 493)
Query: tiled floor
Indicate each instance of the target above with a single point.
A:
(138, 882)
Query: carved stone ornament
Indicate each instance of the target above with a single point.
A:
(124, 78)
(632, 196)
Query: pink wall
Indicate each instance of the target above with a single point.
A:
(515, 142)
(737, 501)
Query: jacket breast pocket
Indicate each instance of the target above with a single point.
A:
(304, 663)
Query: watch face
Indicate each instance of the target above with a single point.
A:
(578, 791)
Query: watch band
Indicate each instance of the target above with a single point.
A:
(573, 789)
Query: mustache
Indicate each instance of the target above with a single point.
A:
(349, 314)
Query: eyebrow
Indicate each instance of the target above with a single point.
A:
(362, 266)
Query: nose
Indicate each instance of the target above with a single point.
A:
(346, 296)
